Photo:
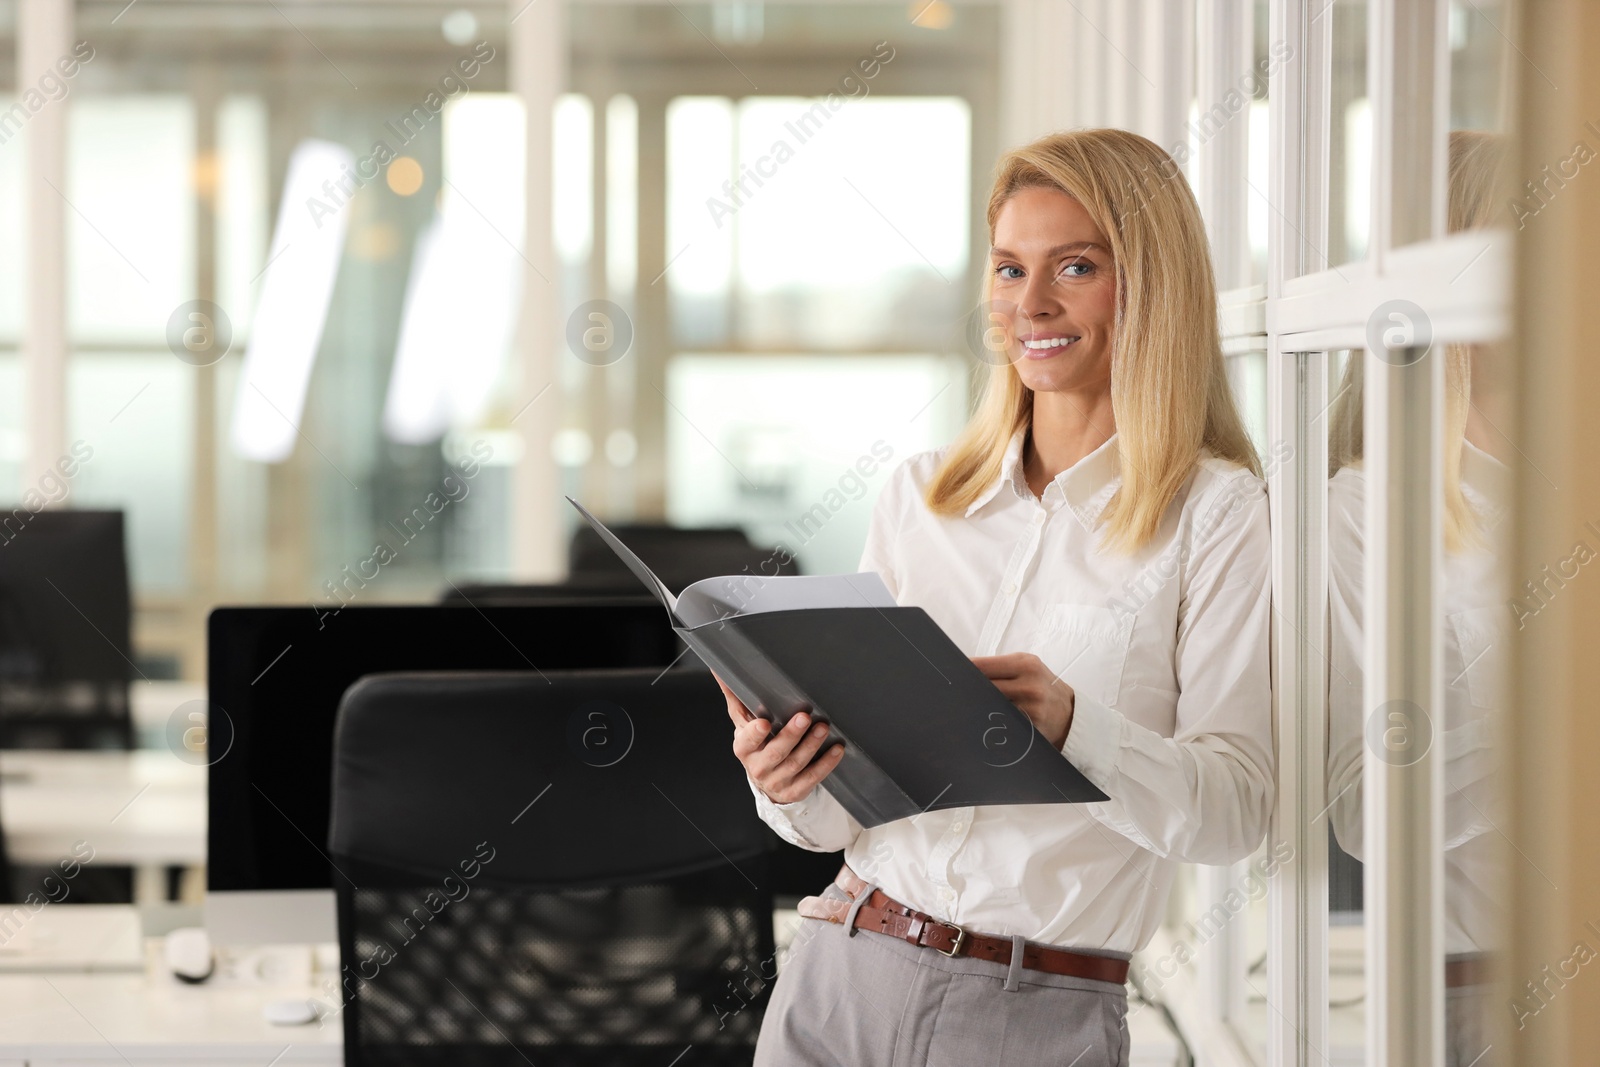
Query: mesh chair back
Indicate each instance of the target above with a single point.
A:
(557, 868)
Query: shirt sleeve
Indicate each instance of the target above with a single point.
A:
(1346, 678)
(1470, 763)
(1205, 794)
(818, 821)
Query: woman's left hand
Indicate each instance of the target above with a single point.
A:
(1034, 688)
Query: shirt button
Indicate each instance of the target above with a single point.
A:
(1038, 518)
(1011, 589)
(957, 826)
(947, 895)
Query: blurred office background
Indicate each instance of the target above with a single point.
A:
(777, 332)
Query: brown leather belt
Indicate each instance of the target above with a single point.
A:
(882, 914)
(1465, 971)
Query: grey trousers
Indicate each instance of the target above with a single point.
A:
(876, 1001)
(1466, 1032)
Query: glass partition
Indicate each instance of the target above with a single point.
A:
(1345, 533)
(1350, 138)
(1269, 55)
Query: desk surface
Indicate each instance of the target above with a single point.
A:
(121, 1018)
(139, 807)
(70, 938)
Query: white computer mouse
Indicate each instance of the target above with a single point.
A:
(290, 1012)
(188, 954)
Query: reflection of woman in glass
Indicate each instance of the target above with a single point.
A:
(1475, 625)
(1097, 540)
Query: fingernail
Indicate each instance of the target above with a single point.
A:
(818, 730)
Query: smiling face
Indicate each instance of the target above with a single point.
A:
(1055, 283)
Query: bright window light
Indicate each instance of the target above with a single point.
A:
(296, 286)
(1358, 178)
(699, 160)
(130, 226)
(573, 177)
(622, 193)
(824, 222)
(461, 300)
(243, 204)
(879, 186)
(1258, 208)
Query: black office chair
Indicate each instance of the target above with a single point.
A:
(560, 868)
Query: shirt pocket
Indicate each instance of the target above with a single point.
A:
(1476, 645)
(1086, 645)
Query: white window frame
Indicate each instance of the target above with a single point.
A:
(1465, 290)
(1302, 312)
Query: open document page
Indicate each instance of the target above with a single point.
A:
(747, 594)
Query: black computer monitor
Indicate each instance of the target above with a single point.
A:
(65, 650)
(275, 679)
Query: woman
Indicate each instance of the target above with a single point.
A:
(1096, 539)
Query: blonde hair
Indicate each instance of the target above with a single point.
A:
(1169, 388)
(1476, 177)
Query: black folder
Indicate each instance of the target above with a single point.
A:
(922, 728)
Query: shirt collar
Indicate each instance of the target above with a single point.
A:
(1086, 487)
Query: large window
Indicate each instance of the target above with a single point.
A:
(838, 226)
(333, 210)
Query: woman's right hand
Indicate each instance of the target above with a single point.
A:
(781, 764)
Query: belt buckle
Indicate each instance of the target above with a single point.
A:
(961, 939)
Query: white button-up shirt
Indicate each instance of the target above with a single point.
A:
(1167, 653)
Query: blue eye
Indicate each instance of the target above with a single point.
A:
(1088, 268)
(1012, 277)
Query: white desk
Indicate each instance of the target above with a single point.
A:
(61, 1019)
(70, 938)
(152, 704)
(145, 809)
